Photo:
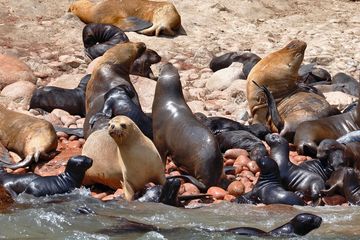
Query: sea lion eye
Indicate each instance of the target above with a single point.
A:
(123, 125)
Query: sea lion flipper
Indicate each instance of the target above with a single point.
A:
(132, 24)
(24, 163)
(5, 155)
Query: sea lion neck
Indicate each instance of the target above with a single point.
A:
(83, 9)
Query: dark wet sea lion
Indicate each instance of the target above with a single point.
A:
(278, 71)
(67, 181)
(268, 188)
(71, 100)
(141, 66)
(244, 140)
(351, 85)
(146, 17)
(118, 102)
(221, 124)
(300, 225)
(310, 133)
(31, 138)
(349, 137)
(111, 71)
(118, 153)
(321, 167)
(248, 60)
(335, 184)
(16, 183)
(179, 135)
(338, 154)
(313, 75)
(98, 38)
(294, 177)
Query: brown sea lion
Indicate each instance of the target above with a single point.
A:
(112, 70)
(29, 137)
(179, 135)
(146, 17)
(310, 133)
(279, 72)
(123, 157)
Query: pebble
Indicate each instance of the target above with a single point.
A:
(98, 195)
(229, 198)
(334, 200)
(217, 192)
(74, 144)
(62, 134)
(253, 167)
(236, 188)
(234, 153)
(191, 188)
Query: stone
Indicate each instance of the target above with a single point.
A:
(12, 70)
(145, 89)
(236, 188)
(68, 81)
(20, 91)
(217, 193)
(71, 61)
(196, 106)
(339, 99)
(223, 78)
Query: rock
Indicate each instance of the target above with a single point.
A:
(20, 91)
(59, 113)
(236, 188)
(223, 78)
(237, 90)
(68, 81)
(53, 119)
(145, 89)
(67, 120)
(339, 99)
(217, 193)
(334, 200)
(191, 188)
(5, 199)
(229, 198)
(12, 70)
(253, 167)
(234, 153)
(196, 106)
(71, 61)
(199, 83)
(74, 144)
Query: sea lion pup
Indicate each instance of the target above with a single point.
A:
(335, 184)
(112, 70)
(142, 65)
(67, 181)
(268, 188)
(279, 72)
(179, 135)
(118, 102)
(295, 109)
(31, 138)
(312, 75)
(248, 59)
(71, 100)
(16, 183)
(300, 225)
(310, 133)
(129, 160)
(294, 177)
(221, 124)
(351, 85)
(143, 16)
(339, 155)
(244, 140)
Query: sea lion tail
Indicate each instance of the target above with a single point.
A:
(272, 108)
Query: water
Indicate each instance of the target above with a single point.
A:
(55, 218)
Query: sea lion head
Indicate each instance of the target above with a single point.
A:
(274, 139)
(293, 54)
(123, 54)
(169, 81)
(327, 146)
(267, 166)
(142, 64)
(81, 8)
(121, 128)
(304, 223)
(79, 163)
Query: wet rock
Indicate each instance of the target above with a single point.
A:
(334, 200)
(229, 198)
(236, 188)
(12, 70)
(20, 91)
(223, 78)
(5, 199)
(216, 192)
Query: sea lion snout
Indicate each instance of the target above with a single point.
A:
(81, 161)
(297, 44)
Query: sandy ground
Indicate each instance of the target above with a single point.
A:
(40, 31)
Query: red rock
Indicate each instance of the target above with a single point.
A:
(108, 198)
(5, 199)
(236, 188)
(234, 153)
(229, 162)
(334, 200)
(230, 177)
(74, 144)
(241, 161)
(53, 119)
(181, 190)
(293, 153)
(248, 174)
(191, 188)
(300, 158)
(253, 167)
(119, 192)
(81, 140)
(20, 171)
(170, 167)
(67, 120)
(98, 195)
(216, 192)
(218, 201)
(62, 135)
(73, 137)
(229, 198)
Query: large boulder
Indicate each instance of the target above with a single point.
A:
(20, 92)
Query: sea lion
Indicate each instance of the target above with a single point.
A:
(300, 225)
(67, 181)
(351, 85)
(98, 38)
(279, 72)
(29, 137)
(310, 133)
(294, 109)
(141, 65)
(335, 184)
(129, 159)
(71, 100)
(338, 154)
(111, 71)
(351, 186)
(319, 166)
(349, 137)
(146, 17)
(179, 135)
(294, 177)
(268, 188)
(16, 183)
(244, 140)
(117, 101)
(312, 75)
(221, 124)
(248, 59)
